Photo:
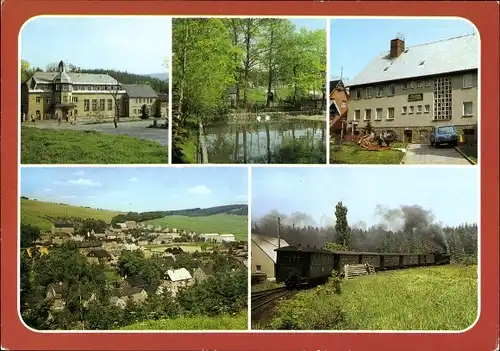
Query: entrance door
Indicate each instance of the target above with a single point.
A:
(408, 136)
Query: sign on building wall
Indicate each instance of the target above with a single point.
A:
(415, 97)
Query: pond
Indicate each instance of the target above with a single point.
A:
(283, 141)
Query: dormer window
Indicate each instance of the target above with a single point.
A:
(58, 87)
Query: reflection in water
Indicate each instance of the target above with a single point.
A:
(283, 141)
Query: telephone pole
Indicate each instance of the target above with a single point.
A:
(278, 227)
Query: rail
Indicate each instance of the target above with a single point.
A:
(263, 298)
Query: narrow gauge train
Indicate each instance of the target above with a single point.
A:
(297, 265)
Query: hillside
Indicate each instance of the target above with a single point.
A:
(37, 213)
(219, 223)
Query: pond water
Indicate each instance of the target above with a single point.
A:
(288, 141)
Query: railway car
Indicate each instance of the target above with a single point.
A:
(303, 265)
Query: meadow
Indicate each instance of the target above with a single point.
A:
(351, 153)
(224, 322)
(46, 146)
(430, 298)
(219, 223)
(35, 212)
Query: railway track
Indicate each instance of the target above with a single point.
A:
(263, 298)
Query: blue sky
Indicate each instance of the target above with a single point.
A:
(311, 24)
(134, 44)
(355, 42)
(450, 193)
(137, 188)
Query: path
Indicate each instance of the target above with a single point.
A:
(425, 154)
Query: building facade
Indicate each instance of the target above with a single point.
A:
(264, 254)
(413, 90)
(339, 98)
(70, 95)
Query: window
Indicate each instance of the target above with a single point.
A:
(37, 113)
(94, 104)
(136, 101)
(58, 87)
(392, 89)
(412, 109)
(378, 114)
(47, 100)
(258, 268)
(467, 81)
(38, 99)
(65, 99)
(380, 91)
(419, 84)
(427, 108)
(86, 105)
(427, 83)
(358, 94)
(368, 114)
(70, 88)
(412, 85)
(406, 86)
(76, 113)
(357, 114)
(102, 104)
(89, 88)
(468, 108)
(390, 113)
(369, 93)
(419, 108)
(64, 87)
(75, 98)
(404, 109)
(110, 104)
(135, 111)
(58, 98)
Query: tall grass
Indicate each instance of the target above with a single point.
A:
(431, 298)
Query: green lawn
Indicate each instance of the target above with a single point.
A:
(260, 94)
(238, 322)
(352, 153)
(470, 151)
(47, 146)
(431, 298)
(219, 223)
(33, 212)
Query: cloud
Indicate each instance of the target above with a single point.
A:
(199, 190)
(90, 196)
(83, 182)
(133, 179)
(79, 173)
(240, 197)
(48, 190)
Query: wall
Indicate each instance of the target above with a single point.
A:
(260, 258)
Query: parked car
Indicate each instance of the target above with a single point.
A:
(444, 135)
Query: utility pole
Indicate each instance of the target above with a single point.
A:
(278, 227)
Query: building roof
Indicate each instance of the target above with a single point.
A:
(140, 91)
(334, 83)
(268, 244)
(227, 235)
(179, 274)
(440, 57)
(304, 249)
(75, 78)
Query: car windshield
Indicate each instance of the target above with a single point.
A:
(446, 130)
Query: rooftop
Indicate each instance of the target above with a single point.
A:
(440, 57)
(74, 77)
(268, 244)
(140, 91)
(179, 274)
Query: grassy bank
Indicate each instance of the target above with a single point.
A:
(226, 322)
(352, 153)
(36, 212)
(470, 151)
(431, 298)
(220, 223)
(46, 146)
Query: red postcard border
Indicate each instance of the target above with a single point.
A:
(483, 336)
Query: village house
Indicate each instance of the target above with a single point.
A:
(411, 90)
(63, 227)
(77, 237)
(226, 238)
(130, 224)
(175, 279)
(99, 256)
(210, 237)
(47, 95)
(339, 98)
(55, 292)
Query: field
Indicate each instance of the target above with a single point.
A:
(32, 212)
(46, 146)
(238, 322)
(431, 298)
(219, 223)
(351, 153)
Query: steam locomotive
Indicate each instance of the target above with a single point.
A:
(296, 265)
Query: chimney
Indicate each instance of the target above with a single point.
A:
(397, 47)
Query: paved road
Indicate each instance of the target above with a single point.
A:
(136, 129)
(419, 154)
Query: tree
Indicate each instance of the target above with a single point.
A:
(29, 234)
(144, 112)
(252, 52)
(341, 226)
